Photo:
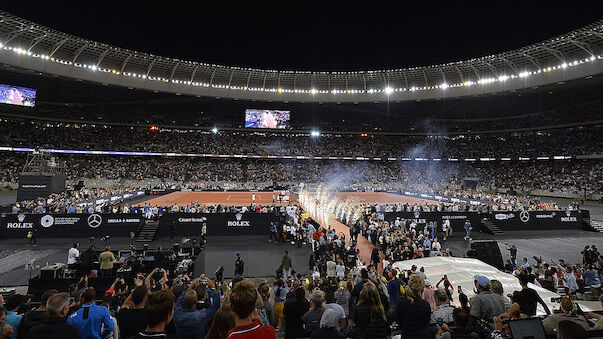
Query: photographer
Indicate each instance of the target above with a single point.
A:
(190, 322)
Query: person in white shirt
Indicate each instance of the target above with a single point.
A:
(446, 229)
(73, 255)
(435, 247)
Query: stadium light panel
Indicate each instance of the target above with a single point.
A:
(214, 130)
(315, 133)
(444, 86)
(389, 90)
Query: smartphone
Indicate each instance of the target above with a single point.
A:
(460, 289)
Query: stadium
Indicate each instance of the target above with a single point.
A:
(324, 192)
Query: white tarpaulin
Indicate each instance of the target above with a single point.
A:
(460, 271)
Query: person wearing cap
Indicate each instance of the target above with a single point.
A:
(312, 318)
(568, 312)
(329, 323)
(486, 304)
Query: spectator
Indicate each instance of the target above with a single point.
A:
(223, 321)
(342, 298)
(461, 327)
(158, 312)
(243, 299)
(443, 311)
(295, 307)
(393, 289)
(6, 330)
(486, 304)
(73, 256)
(570, 330)
(35, 317)
(332, 305)
(87, 260)
(130, 317)
(12, 318)
(287, 265)
(497, 288)
(329, 326)
(369, 316)
(413, 313)
(90, 318)
(312, 318)
(106, 263)
(55, 326)
(568, 313)
(268, 309)
(526, 300)
(280, 294)
(190, 322)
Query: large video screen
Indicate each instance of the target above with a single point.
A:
(14, 95)
(265, 118)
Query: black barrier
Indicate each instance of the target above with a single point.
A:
(537, 220)
(189, 224)
(35, 186)
(457, 219)
(113, 198)
(69, 225)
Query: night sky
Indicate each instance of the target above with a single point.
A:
(313, 36)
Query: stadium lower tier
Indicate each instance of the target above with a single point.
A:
(581, 178)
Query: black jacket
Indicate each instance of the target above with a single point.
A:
(362, 318)
(413, 318)
(29, 320)
(293, 312)
(55, 328)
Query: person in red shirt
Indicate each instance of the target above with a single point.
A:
(243, 299)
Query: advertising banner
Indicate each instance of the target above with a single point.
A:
(69, 225)
(218, 224)
(537, 220)
(457, 219)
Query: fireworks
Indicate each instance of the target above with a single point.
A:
(322, 205)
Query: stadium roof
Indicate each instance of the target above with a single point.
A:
(574, 55)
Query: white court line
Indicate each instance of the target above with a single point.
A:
(228, 198)
(259, 197)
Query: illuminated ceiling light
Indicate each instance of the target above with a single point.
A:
(93, 67)
(214, 130)
(315, 133)
(564, 65)
(389, 90)
(523, 74)
(592, 58)
(444, 86)
(503, 78)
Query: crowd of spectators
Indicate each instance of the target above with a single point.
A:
(577, 177)
(36, 134)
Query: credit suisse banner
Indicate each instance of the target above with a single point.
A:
(115, 198)
(69, 225)
(221, 224)
(537, 220)
(457, 219)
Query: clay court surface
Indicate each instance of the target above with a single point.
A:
(265, 198)
(214, 198)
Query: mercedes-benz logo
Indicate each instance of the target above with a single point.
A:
(95, 220)
(47, 221)
(524, 216)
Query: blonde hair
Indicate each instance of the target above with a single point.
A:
(370, 296)
(342, 285)
(415, 287)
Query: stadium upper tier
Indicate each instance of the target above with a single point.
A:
(574, 55)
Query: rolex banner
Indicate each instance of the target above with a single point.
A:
(69, 225)
(536, 220)
(188, 224)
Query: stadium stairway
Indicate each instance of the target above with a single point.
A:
(594, 225)
(147, 232)
(490, 227)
